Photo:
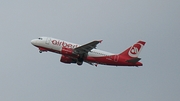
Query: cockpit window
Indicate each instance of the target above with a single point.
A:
(40, 38)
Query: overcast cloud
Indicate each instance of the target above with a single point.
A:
(27, 75)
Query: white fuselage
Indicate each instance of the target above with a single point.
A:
(74, 53)
(56, 45)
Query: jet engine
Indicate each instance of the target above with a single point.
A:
(66, 59)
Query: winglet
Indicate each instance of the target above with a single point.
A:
(100, 41)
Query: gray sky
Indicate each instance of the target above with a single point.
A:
(26, 75)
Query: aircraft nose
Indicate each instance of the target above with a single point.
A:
(33, 42)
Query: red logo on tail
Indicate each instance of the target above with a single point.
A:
(135, 49)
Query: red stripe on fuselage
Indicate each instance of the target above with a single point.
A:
(110, 60)
(107, 60)
(47, 49)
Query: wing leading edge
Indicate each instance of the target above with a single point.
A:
(84, 49)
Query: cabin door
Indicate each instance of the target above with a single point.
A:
(116, 58)
(48, 40)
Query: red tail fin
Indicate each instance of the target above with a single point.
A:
(134, 50)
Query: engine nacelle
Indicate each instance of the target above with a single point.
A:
(67, 51)
(66, 59)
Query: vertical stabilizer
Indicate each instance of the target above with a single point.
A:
(133, 51)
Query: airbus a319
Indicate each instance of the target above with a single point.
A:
(74, 53)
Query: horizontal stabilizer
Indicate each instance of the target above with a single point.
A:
(133, 60)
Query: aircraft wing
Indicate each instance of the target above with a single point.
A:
(87, 47)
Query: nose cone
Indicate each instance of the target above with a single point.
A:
(33, 42)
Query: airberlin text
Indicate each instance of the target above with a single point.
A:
(63, 44)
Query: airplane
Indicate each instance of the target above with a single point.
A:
(74, 53)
